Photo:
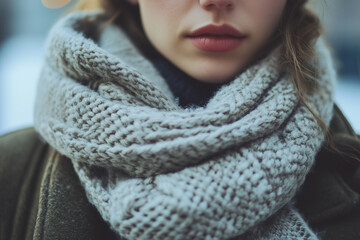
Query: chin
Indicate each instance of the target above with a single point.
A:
(212, 70)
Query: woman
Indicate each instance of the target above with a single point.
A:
(185, 120)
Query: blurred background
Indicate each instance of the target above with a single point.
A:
(24, 25)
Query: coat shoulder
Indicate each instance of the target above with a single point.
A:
(21, 162)
(330, 197)
(19, 143)
(18, 151)
(40, 196)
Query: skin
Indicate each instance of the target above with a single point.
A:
(167, 23)
(55, 3)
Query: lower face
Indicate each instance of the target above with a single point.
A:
(170, 26)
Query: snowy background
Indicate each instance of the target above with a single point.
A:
(25, 23)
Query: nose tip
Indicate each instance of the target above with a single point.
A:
(216, 4)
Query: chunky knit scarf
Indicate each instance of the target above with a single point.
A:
(155, 170)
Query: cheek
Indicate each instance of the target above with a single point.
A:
(158, 10)
(159, 17)
(265, 14)
(268, 8)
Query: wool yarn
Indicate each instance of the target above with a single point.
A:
(154, 170)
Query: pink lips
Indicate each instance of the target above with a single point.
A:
(213, 38)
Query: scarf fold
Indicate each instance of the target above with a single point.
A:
(157, 171)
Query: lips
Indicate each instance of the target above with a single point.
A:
(225, 30)
(213, 38)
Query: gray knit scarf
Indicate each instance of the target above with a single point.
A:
(157, 171)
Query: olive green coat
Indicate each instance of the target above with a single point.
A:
(41, 196)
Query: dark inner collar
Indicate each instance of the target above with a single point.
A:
(189, 91)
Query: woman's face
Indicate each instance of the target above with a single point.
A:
(211, 40)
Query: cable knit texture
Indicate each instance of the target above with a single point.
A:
(154, 170)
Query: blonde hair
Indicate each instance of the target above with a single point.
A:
(299, 30)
